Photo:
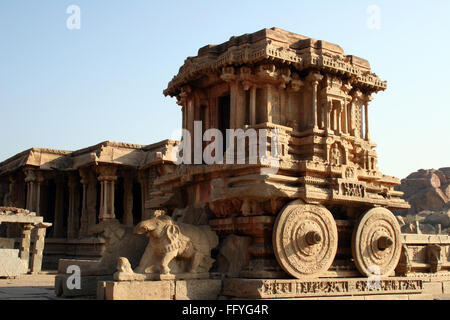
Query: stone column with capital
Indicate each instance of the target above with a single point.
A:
(190, 109)
(58, 226)
(33, 179)
(345, 123)
(268, 111)
(233, 104)
(339, 119)
(142, 179)
(128, 201)
(30, 179)
(39, 181)
(253, 105)
(346, 88)
(107, 177)
(12, 195)
(89, 202)
(329, 108)
(73, 221)
(366, 117)
(314, 78)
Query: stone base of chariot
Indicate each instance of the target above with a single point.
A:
(414, 287)
(417, 287)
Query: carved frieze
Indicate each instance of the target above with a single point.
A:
(351, 188)
(267, 289)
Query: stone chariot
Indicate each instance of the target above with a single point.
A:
(326, 209)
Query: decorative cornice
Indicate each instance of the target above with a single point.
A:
(275, 44)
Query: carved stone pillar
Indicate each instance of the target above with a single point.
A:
(253, 105)
(323, 114)
(314, 78)
(38, 247)
(84, 211)
(345, 123)
(33, 179)
(30, 178)
(89, 203)
(12, 191)
(338, 119)
(182, 101)
(190, 121)
(183, 120)
(142, 179)
(233, 104)
(58, 223)
(73, 221)
(240, 107)
(356, 128)
(269, 103)
(25, 242)
(128, 201)
(107, 177)
(329, 108)
(39, 180)
(366, 117)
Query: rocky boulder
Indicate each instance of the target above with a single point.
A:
(426, 190)
(428, 193)
(439, 218)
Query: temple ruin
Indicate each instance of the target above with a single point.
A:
(77, 190)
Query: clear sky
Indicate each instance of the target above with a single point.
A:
(69, 89)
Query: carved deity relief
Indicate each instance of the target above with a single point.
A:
(337, 156)
(349, 173)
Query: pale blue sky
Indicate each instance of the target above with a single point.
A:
(69, 89)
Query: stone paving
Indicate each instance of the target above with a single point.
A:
(29, 287)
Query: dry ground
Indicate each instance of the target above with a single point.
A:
(29, 287)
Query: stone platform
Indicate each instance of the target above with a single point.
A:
(194, 289)
(417, 287)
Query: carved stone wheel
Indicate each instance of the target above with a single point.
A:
(376, 242)
(305, 239)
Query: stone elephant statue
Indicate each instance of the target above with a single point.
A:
(175, 247)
